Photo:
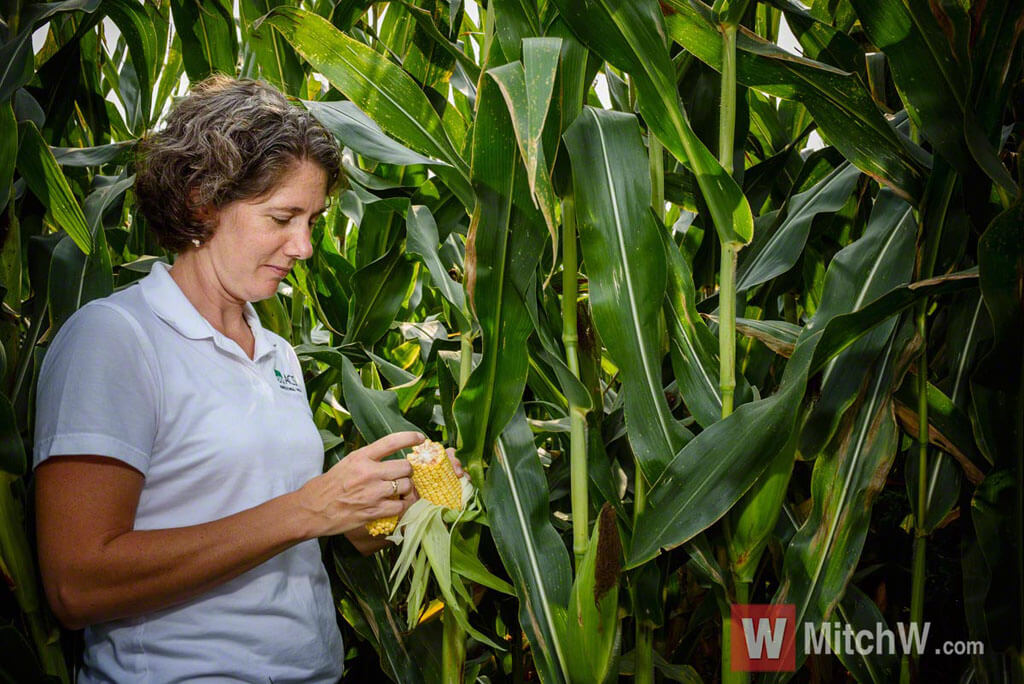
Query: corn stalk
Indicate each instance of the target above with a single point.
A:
(727, 301)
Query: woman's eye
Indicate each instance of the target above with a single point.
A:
(281, 221)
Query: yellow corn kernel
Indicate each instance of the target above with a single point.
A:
(433, 475)
(382, 526)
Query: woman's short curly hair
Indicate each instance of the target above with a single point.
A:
(228, 139)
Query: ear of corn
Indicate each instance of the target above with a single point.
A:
(382, 526)
(434, 479)
(433, 475)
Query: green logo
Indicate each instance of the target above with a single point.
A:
(287, 381)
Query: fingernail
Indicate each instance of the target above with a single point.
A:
(421, 436)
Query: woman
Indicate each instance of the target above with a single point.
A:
(179, 482)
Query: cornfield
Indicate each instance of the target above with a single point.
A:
(688, 359)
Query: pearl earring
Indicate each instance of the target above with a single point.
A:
(196, 242)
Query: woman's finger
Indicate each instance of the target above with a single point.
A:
(389, 444)
(398, 487)
(455, 462)
(393, 469)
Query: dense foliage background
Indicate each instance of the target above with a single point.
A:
(559, 214)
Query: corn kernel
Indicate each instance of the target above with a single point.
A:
(433, 475)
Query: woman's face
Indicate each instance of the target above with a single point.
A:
(256, 241)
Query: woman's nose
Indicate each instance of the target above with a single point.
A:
(301, 245)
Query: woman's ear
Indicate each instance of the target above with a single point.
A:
(204, 213)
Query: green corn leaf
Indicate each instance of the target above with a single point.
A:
(469, 566)
(997, 407)
(858, 610)
(949, 429)
(527, 87)
(930, 82)
(378, 290)
(822, 556)
(378, 86)
(514, 21)
(626, 266)
(207, 32)
(631, 36)
(8, 151)
(422, 241)
(76, 278)
(552, 354)
(947, 418)
(324, 280)
(873, 265)
(116, 153)
(693, 348)
(840, 104)
(367, 586)
(426, 23)
(16, 67)
(516, 498)
(779, 336)
(710, 474)
(778, 251)
(992, 568)
(12, 451)
(139, 32)
(502, 252)
(844, 329)
(273, 316)
(995, 64)
(375, 412)
(278, 64)
(44, 177)
(713, 471)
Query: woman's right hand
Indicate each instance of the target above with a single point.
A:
(360, 488)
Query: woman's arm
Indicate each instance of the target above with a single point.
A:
(96, 567)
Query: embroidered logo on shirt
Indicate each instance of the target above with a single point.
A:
(287, 382)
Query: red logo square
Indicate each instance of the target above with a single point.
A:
(762, 637)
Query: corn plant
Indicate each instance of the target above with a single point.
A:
(688, 357)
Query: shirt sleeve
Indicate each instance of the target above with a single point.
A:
(98, 390)
(297, 371)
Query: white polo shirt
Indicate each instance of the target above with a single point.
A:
(142, 377)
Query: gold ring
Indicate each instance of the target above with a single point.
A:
(394, 488)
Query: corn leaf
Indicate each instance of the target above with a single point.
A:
(527, 87)
(777, 251)
(278, 64)
(8, 151)
(590, 626)
(625, 262)
(838, 102)
(631, 36)
(516, 498)
(45, 179)
(422, 241)
(822, 556)
(502, 251)
(378, 86)
(693, 348)
(378, 290)
(207, 32)
(930, 82)
(139, 32)
(883, 258)
(364, 578)
(712, 472)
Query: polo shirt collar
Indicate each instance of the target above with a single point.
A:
(168, 302)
